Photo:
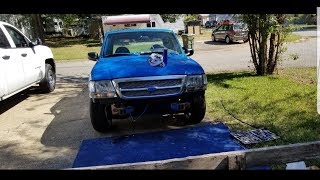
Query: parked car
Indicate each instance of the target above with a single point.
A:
(23, 63)
(211, 24)
(150, 73)
(230, 33)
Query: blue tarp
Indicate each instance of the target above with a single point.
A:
(168, 144)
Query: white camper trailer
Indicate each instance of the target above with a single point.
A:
(132, 22)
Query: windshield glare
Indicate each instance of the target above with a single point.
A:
(239, 26)
(141, 43)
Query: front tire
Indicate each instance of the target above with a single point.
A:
(198, 109)
(214, 38)
(228, 40)
(101, 116)
(48, 84)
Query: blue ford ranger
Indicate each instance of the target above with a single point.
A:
(141, 71)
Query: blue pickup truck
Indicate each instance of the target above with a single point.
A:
(143, 71)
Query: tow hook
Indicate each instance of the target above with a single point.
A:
(122, 111)
(179, 106)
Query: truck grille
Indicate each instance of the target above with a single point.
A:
(149, 87)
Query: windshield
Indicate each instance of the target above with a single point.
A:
(239, 26)
(130, 43)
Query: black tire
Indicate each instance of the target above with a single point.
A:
(214, 38)
(101, 116)
(228, 40)
(198, 109)
(48, 84)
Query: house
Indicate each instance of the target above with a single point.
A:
(216, 17)
(177, 27)
(207, 17)
(130, 21)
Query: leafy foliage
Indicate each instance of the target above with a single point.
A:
(267, 33)
(191, 17)
(170, 17)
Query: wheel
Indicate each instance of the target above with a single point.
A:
(228, 41)
(198, 109)
(214, 38)
(101, 116)
(48, 83)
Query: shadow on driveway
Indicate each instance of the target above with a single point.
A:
(71, 123)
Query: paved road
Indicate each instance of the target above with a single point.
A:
(44, 131)
(217, 56)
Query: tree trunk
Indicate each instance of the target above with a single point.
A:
(38, 31)
(271, 59)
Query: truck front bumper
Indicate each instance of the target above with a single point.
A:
(165, 105)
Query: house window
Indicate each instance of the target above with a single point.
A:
(153, 24)
(148, 25)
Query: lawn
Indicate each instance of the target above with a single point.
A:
(72, 48)
(293, 37)
(75, 52)
(284, 103)
(77, 49)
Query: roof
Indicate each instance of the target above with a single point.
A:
(127, 19)
(5, 23)
(139, 30)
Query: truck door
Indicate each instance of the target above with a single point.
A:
(11, 73)
(4, 43)
(30, 60)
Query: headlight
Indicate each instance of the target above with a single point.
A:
(204, 77)
(196, 82)
(101, 89)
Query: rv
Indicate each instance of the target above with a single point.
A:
(131, 22)
(53, 26)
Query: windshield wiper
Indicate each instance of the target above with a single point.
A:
(159, 52)
(120, 54)
(150, 52)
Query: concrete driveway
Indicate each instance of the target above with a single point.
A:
(44, 131)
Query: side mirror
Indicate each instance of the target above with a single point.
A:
(189, 52)
(31, 44)
(35, 42)
(38, 41)
(93, 56)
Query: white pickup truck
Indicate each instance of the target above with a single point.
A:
(23, 63)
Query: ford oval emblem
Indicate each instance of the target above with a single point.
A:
(152, 89)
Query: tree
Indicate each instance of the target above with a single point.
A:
(37, 26)
(191, 17)
(170, 17)
(266, 37)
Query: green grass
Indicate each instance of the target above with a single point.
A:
(138, 47)
(72, 48)
(75, 52)
(283, 103)
(292, 37)
(304, 26)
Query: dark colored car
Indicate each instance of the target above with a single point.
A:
(211, 24)
(230, 33)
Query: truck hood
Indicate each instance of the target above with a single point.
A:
(138, 66)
